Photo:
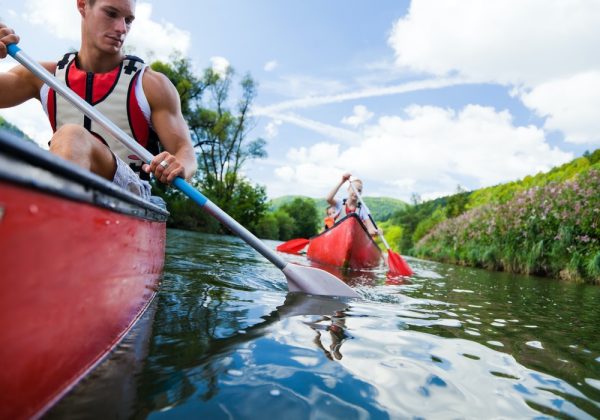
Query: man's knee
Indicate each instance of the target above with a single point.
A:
(70, 141)
(76, 144)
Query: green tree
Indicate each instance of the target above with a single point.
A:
(456, 204)
(268, 227)
(304, 213)
(220, 135)
(286, 225)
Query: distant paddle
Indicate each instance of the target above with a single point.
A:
(293, 246)
(396, 264)
(299, 278)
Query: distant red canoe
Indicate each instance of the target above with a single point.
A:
(81, 260)
(347, 245)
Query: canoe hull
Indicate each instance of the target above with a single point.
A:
(76, 277)
(347, 245)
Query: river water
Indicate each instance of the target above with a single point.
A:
(224, 339)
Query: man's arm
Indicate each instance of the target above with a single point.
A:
(331, 197)
(171, 128)
(18, 84)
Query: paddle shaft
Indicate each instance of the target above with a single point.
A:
(370, 217)
(144, 154)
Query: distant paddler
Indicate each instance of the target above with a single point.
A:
(351, 204)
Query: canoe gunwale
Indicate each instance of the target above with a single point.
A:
(342, 220)
(27, 165)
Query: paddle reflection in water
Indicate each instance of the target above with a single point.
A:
(330, 312)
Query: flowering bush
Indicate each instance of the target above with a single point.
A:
(552, 230)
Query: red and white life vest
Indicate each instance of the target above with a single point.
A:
(117, 94)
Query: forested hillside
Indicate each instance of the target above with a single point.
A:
(381, 207)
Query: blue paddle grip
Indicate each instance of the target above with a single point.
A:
(190, 191)
(12, 49)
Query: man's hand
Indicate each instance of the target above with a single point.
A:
(165, 168)
(7, 36)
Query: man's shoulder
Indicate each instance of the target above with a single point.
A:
(158, 88)
(154, 78)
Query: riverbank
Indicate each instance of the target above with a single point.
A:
(553, 230)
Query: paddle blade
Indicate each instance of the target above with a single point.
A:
(314, 281)
(293, 246)
(397, 265)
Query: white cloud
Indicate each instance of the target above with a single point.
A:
(158, 40)
(571, 105)
(360, 116)
(544, 47)
(59, 17)
(330, 131)
(155, 40)
(430, 150)
(320, 153)
(323, 98)
(271, 65)
(28, 117)
(219, 65)
(272, 128)
(508, 41)
(300, 86)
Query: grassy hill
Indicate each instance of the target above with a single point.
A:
(381, 207)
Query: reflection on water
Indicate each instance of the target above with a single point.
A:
(228, 341)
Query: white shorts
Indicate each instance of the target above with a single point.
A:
(130, 181)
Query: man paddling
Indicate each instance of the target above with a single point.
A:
(351, 203)
(138, 100)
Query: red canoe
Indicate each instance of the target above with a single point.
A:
(81, 260)
(347, 245)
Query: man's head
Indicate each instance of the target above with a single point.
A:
(331, 211)
(105, 23)
(358, 186)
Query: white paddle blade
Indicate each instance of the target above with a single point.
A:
(315, 282)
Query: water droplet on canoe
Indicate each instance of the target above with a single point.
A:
(33, 209)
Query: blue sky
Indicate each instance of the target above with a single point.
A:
(411, 96)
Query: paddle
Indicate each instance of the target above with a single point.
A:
(293, 246)
(396, 263)
(299, 278)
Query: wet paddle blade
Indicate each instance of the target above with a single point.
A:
(316, 282)
(293, 246)
(397, 265)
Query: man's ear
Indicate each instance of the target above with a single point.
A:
(81, 7)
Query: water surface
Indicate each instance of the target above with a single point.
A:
(226, 340)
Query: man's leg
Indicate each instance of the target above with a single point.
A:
(76, 144)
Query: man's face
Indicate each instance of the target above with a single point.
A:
(358, 187)
(107, 23)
